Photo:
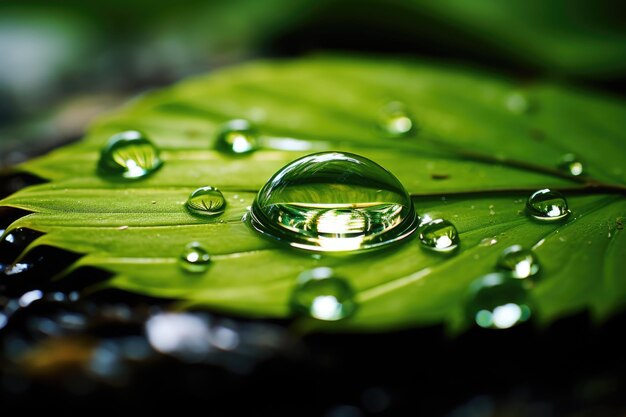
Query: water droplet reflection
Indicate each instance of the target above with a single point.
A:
(547, 205)
(439, 235)
(395, 120)
(570, 163)
(195, 258)
(206, 201)
(334, 202)
(498, 301)
(488, 241)
(322, 295)
(129, 155)
(237, 137)
(521, 263)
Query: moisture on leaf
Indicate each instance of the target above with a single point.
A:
(474, 162)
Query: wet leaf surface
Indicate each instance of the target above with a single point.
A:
(472, 161)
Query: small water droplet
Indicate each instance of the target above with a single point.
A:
(334, 202)
(206, 201)
(521, 263)
(237, 137)
(497, 301)
(322, 295)
(129, 155)
(570, 163)
(488, 241)
(439, 235)
(395, 120)
(518, 102)
(547, 205)
(195, 258)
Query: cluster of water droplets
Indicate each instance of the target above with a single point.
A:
(338, 202)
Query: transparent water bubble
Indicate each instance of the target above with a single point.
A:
(395, 120)
(571, 164)
(519, 262)
(129, 155)
(334, 202)
(439, 235)
(547, 205)
(194, 258)
(320, 294)
(237, 137)
(498, 301)
(206, 201)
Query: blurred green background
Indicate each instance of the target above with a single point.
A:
(62, 64)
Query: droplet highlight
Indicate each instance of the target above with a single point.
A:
(570, 164)
(334, 202)
(547, 205)
(439, 235)
(206, 201)
(395, 120)
(519, 262)
(237, 137)
(497, 301)
(195, 258)
(518, 102)
(322, 295)
(488, 241)
(129, 155)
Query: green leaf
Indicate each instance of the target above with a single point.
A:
(473, 162)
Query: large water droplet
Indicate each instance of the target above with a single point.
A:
(334, 202)
(395, 119)
(237, 137)
(519, 262)
(498, 302)
(206, 201)
(547, 205)
(571, 164)
(195, 258)
(439, 235)
(129, 155)
(322, 295)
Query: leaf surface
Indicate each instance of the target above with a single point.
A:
(473, 161)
